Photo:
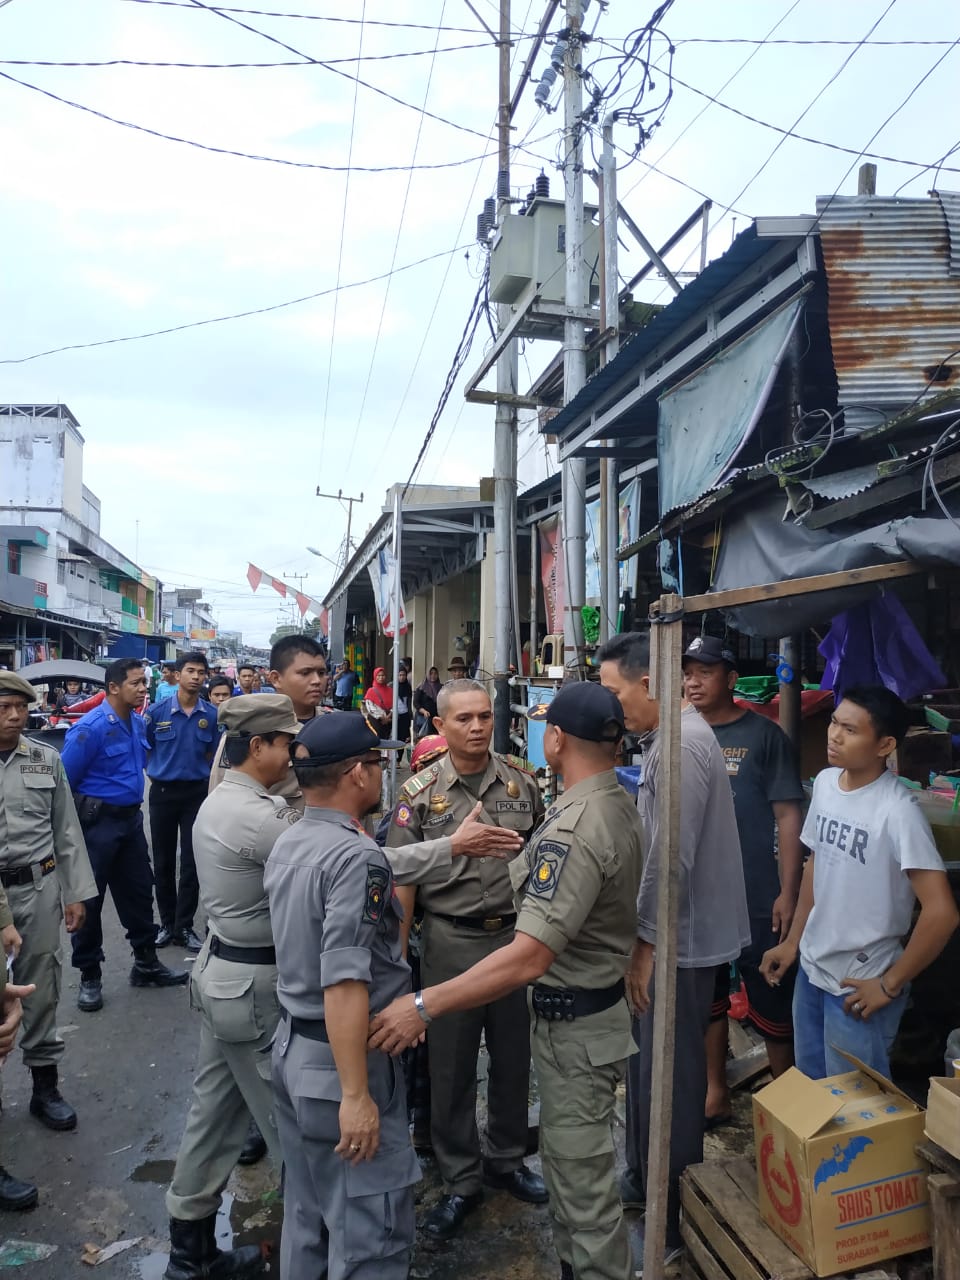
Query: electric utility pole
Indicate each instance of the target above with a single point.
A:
(339, 497)
(505, 432)
(574, 473)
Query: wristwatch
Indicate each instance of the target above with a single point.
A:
(421, 1008)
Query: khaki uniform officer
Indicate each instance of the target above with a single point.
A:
(341, 1111)
(234, 983)
(575, 929)
(47, 876)
(465, 918)
(14, 1192)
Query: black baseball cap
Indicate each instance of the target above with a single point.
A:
(333, 736)
(709, 650)
(584, 710)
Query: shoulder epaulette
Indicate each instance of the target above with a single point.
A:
(420, 781)
(517, 762)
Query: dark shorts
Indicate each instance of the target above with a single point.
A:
(769, 1009)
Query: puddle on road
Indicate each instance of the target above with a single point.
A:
(239, 1222)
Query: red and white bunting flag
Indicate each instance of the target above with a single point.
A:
(303, 602)
(279, 586)
(254, 576)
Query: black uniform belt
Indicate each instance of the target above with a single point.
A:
(242, 955)
(25, 875)
(488, 924)
(119, 810)
(311, 1028)
(564, 1004)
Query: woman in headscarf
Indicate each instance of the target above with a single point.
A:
(380, 698)
(425, 702)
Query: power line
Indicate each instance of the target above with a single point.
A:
(788, 133)
(231, 66)
(343, 233)
(236, 315)
(396, 249)
(729, 80)
(895, 44)
(459, 360)
(320, 17)
(246, 155)
(809, 107)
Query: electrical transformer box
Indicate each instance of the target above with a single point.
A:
(532, 246)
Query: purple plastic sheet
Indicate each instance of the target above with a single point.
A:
(876, 643)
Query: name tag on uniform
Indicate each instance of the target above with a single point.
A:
(437, 820)
(514, 806)
(36, 768)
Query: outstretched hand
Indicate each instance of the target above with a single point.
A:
(474, 838)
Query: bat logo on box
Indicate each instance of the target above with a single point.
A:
(841, 1160)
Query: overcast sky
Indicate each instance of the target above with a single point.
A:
(216, 438)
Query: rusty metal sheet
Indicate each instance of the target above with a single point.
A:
(949, 202)
(894, 304)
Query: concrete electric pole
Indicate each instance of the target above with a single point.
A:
(505, 432)
(574, 474)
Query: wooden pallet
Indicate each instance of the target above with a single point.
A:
(725, 1236)
(944, 1186)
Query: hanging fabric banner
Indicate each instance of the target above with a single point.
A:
(551, 574)
(306, 604)
(383, 574)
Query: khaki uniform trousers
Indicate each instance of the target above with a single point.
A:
(454, 1045)
(239, 1015)
(38, 915)
(578, 1078)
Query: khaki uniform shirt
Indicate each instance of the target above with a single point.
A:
(579, 878)
(38, 819)
(435, 801)
(236, 828)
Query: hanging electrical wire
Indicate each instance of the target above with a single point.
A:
(396, 249)
(236, 315)
(233, 66)
(459, 360)
(319, 17)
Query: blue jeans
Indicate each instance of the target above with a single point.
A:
(821, 1029)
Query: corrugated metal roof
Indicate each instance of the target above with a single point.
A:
(894, 307)
(949, 202)
(746, 249)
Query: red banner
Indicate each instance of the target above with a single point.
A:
(254, 576)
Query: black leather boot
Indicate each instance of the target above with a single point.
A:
(194, 1254)
(14, 1193)
(147, 971)
(254, 1146)
(47, 1104)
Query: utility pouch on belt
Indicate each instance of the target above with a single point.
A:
(88, 810)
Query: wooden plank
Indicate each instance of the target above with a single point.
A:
(742, 1070)
(724, 1244)
(740, 1038)
(707, 1264)
(945, 1213)
(743, 1172)
(667, 645)
(941, 1160)
(740, 1210)
(801, 586)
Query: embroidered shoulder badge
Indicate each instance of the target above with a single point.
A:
(378, 880)
(402, 815)
(546, 873)
(36, 755)
(420, 781)
(517, 763)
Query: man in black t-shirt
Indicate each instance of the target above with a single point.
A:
(767, 795)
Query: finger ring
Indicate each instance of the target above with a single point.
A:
(355, 1146)
(857, 1007)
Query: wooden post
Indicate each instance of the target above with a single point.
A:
(666, 649)
(867, 180)
(945, 1213)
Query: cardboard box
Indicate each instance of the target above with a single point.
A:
(839, 1180)
(942, 1124)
